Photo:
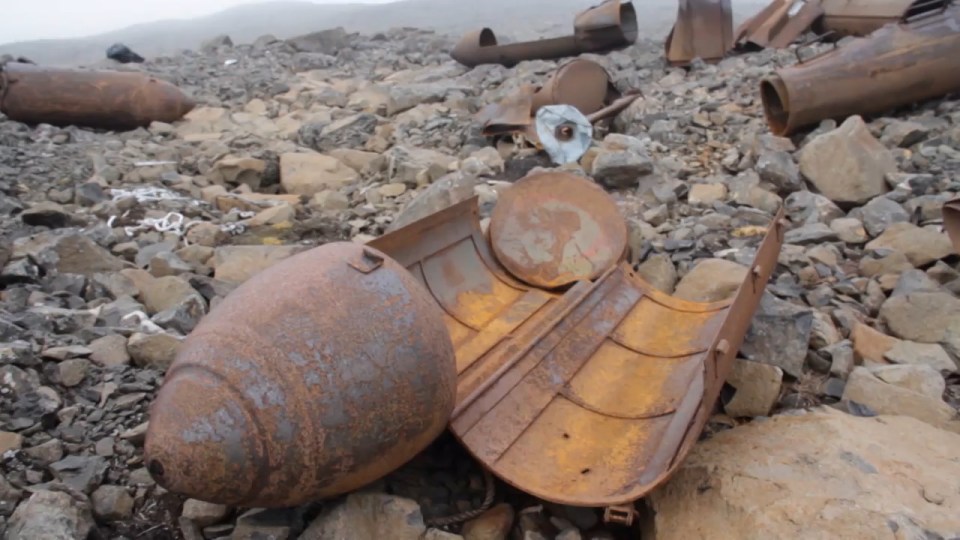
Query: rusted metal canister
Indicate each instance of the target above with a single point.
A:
(861, 17)
(115, 100)
(897, 65)
(321, 374)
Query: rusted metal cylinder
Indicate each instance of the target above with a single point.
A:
(115, 100)
(895, 66)
(861, 17)
(320, 374)
(704, 29)
(605, 27)
(951, 222)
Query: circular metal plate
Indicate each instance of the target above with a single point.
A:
(553, 229)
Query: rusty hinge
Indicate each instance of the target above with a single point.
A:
(622, 515)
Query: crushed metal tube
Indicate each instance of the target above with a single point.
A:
(897, 65)
(602, 28)
(114, 100)
(777, 25)
(704, 29)
(336, 378)
(951, 222)
(862, 17)
(590, 395)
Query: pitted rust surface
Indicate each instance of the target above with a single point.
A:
(591, 397)
(317, 376)
(951, 222)
(704, 29)
(552, 229)
(897, 65)
(115, 100)
(605, 27)
(861, 17)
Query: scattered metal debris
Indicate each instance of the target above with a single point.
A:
(335, 379)
(589, 396)
(564, 132)
(116, 100)
(777, 25)
(602, 28)
(862, 17)
(894, 66)
(581, 84)
(951, 222)
(704, 29)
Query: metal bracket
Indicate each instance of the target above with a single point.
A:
(621, 514)
(368, 262)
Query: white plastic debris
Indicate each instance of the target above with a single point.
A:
(148, 194)
(564, 132)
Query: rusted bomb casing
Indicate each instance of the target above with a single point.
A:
(896, 65)
(861, 17)
(115, 100)
(320, 374)
(605, 27)
(951, 222)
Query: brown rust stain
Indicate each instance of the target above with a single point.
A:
(587, 397)
(317, 376)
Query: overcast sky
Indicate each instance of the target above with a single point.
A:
(47, 19)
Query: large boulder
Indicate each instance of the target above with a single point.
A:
(819, 474)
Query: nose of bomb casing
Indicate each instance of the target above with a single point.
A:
(201, 442)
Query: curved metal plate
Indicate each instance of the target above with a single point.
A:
(951, 222)
(552, 229)
(589, 398)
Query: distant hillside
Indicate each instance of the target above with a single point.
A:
(284, 19)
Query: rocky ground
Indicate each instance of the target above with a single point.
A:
(114, 245)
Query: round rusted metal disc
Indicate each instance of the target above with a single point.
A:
(553, 229)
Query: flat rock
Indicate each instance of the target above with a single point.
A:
(757, 388)
(368, 515)
(820, 474)
(309, 173)
(711, 280)
(899, 398)
(236, 264)
(50, 515)
(848, 164)
(779, 335)
(921, 246)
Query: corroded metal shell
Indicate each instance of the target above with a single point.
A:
(317, 376)
(951, 222)
(553, 229)
(117, 100)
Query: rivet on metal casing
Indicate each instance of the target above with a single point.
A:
(369, 261)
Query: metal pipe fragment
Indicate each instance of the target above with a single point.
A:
(115, 100)
(951, 222)
(704, 29)
(602, 28)
(896, 65)
(862, 17)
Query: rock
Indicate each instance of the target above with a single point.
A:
(110, 351)
(449, 190)
(153, 351)
(494, 524)
(73, 371)
(111, 503)
(927, 317)
(238, 170)
(706, 194)
(711, 280)
(779, 335)
(416, 166)
(236, 264)
(68, 253)
(263, 524)
(659, 272)
(368, 515)
(823, 474)
(779, 169)
(10, 441)
(930, 354)
(309, 174)
(903, 133)
(849, 230)
(847, 165)
(203, 513)
(921, 246)
(870, 344)
(880, 213)
(901, 396)
(757, 388)
(50, 515)
(621, 169)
